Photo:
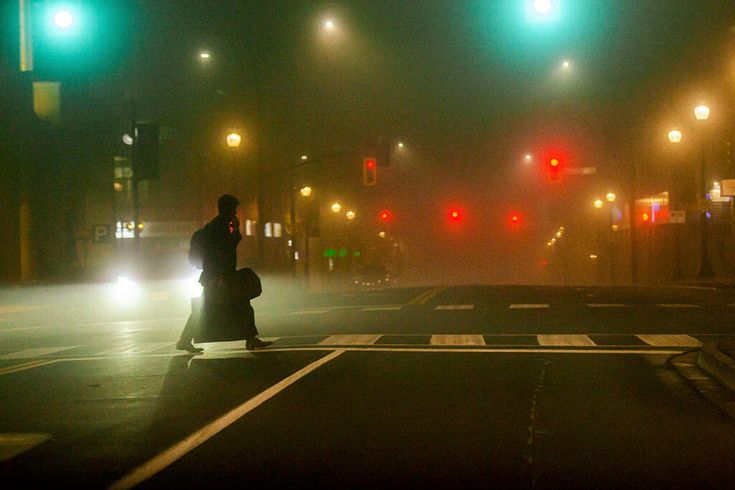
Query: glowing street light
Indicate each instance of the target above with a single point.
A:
(542, 7)
(610, 197)
(304, 157)
(598, 203)
(305, 191)
(350, 215)
(336, 207)
(205, 56)
(701, 112)
(400, 145)
(63, 19)
(528, 157)
(329, 25)
(566, 64)
(234, 140)
(674, 136)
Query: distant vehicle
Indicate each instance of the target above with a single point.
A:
(371, 278)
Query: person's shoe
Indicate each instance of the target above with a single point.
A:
(257, 344)
(188, 347)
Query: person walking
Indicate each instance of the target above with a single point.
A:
(223, 315)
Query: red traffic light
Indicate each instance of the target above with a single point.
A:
(369, 171)
(455, 214)
(554, 168)
(385, 216)
(515, 219)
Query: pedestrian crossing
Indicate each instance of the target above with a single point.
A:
(571, 341)
(518, 307)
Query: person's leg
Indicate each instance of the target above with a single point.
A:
(187, 335)
(252, 341)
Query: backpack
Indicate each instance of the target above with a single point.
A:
(197, 244)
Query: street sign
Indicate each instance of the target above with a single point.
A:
(100, 233)
(677, 217)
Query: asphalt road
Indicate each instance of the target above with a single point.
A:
(466, 386)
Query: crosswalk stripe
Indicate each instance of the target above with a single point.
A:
(350, 340)
(670, 340)
(34, 352)
(455, 307)
(424, 297)
(683, 305)
(457, 340)
(573, 340)
(528, 306)
(136, 349)
(309, 312)
(382, 308)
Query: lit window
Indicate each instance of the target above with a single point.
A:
(277, 230)
(248, 227)
(269, 230)
(125, 229)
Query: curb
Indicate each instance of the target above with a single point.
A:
(717, 364)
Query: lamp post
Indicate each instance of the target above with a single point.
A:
(234, 140)
(701, 113)
(675, 138)
(610, 198)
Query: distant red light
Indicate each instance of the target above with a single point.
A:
(515, 219)
(554, 162)
(455, 214)
(385, 216)
(371, 164)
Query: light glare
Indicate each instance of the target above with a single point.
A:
(63, 19)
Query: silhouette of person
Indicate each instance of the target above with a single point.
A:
(221, 318)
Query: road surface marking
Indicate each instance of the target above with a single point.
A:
(455, 307)
(21, 308)
(683, 305)
(572, 340)
(35, 352)
(487, 350)
(457, 340)
(136, 349)
(27, 365)
(310, 312)
(423, 298)
(607, 305)
(527, 306)
(18, 329)
(350, 340)
(12, 445)
(177, 451)
(670, 340)
(382, 308)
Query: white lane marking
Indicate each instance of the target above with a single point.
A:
(457, 340)
(18, 329)
(455, 307)
(12, 445)
(136, 349)
(676, 305)
(309, 312)
(27, 365)
(350, 340)
(382, 308)
(22, 308)
(34, 352)
(527, 306)
(571, 340)
(670, 340)
(489, 350)
(177, 451)
(607, 305)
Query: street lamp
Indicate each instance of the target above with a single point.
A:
(336, 207)
(305, 191)
(701, 113)
(63, 19)
(350, 215)
(610, 197)
(205, 56)
(598, 203)
(234, 140)
(674, 136)
(542, 7)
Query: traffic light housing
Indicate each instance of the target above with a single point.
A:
(369, 171)
(554, 168)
